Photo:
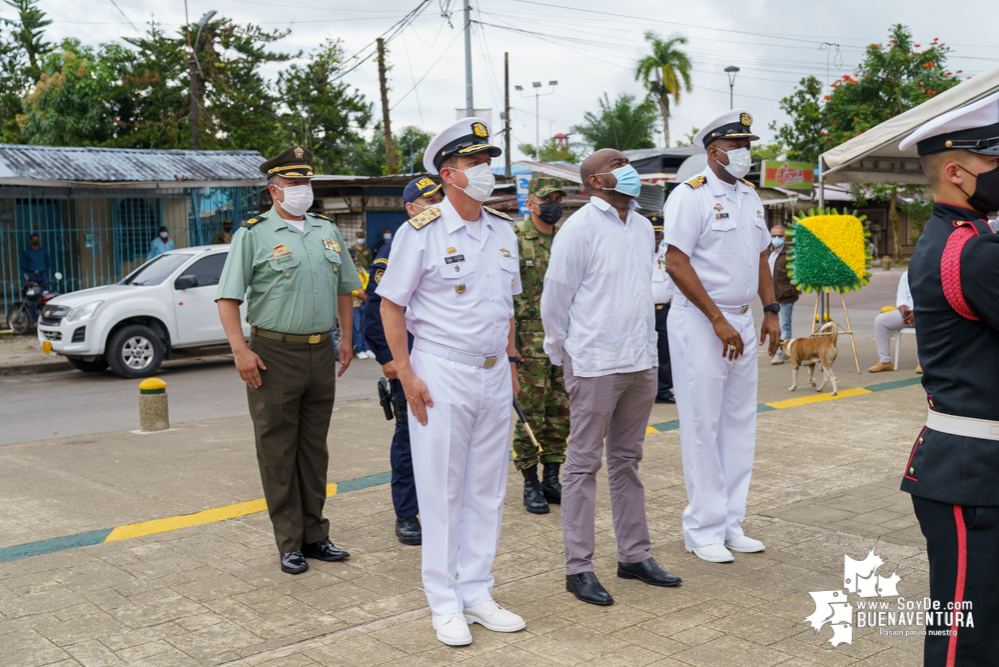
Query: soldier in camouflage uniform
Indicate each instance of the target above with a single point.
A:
(542, 388)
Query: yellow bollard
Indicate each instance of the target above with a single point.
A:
(154, 414)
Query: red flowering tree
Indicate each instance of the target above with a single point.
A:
(892, 78)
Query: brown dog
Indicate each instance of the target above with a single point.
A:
(821, 348)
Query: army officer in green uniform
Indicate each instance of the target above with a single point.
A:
(542, 396)
(293, 270)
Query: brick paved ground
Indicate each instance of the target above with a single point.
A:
(825, 485)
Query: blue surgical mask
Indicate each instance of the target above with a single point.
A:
(777, 241)
(628, 181)
(386, 236)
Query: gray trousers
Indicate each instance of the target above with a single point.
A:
(615, 407)
(884, 324)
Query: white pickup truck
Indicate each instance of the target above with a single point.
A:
(166, 304)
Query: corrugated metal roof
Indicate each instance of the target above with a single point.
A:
(22, 164)
(566, 172)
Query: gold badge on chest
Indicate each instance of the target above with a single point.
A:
(460, 289)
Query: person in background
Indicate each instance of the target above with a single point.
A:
(363, 252)
(784, 292)
(35, 265)
(386, 237)
(359, 296)
(661, 297)
(893, 320)
(420, 194)
(161, 244)
(225, 236)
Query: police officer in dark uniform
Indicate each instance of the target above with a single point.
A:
(661, 297)
(292, 269)
(420, 194)
(953, 468)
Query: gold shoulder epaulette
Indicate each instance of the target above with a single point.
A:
(748, 183)
(498, 213)
(320, 215)
(425, 217)
(253, 221)
(696, 181)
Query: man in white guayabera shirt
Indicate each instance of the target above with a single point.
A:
(599, 321)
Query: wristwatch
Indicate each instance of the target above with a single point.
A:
(513, 360)
(772, 308)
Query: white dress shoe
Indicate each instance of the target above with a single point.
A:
(744, 545)
(491, 616)
(712, 553)
(452, 629)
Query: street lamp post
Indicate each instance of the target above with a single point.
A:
(731, 70)
(537, 108)
(196, 77)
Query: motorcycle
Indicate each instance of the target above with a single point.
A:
(21, 315)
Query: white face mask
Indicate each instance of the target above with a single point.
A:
(297, 199)
(739, 161)
(164, 235)
(359, 241)
(480, 181)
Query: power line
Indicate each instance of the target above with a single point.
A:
(126, 17)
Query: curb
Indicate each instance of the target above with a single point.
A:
(35, 368)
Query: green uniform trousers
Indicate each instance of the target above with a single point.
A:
(545, 403)
(291, 413)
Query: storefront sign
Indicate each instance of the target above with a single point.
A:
(523, 180)
(790, 175)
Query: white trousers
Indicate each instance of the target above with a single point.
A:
(884, 324)
(460, 461)
(716, 401)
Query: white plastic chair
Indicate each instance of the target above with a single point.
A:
(898, 340)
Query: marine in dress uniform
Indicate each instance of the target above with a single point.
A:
(455, 272)
(419, 194)
(717, 239)
(952, 470)
(661, 296)
(543, 397)
(292, 269)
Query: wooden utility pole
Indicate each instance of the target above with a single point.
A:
(506, 109)
(195, 84)
(390, 161)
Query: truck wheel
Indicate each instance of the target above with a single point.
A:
(98, 364)
(134, 351)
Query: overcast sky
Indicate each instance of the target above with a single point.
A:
(590, 47)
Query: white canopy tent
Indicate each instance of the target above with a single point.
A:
(874, 157)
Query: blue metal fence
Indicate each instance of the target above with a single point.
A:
(95, 236)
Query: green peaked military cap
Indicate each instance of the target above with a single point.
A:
(296, 162)
(544, 186)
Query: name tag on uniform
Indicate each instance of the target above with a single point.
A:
(721, 216)
(456, 258)
(529, 262)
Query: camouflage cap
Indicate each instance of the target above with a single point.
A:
(542, 187)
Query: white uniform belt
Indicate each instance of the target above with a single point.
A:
(684, 301)
(968, 427)
(484, 360)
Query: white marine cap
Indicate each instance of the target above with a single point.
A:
(733, 124)
(974, 127)
(466, 136)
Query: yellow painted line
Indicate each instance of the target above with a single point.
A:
(185, 520)
(818, 398)
(650, 431)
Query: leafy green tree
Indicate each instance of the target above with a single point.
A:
(28, 34)
(767, 151)
(368, 157)
(410, 145)
(665, 73)
(621, 124)
(324, 113)
(553, 152)
(892, 78)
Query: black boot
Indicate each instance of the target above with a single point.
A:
(550, 485)
(534, 497)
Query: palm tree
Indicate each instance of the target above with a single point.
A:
(665, 73)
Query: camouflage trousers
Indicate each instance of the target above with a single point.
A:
(545, 403)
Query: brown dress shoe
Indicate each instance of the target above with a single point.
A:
(880, 366)
(919, 369)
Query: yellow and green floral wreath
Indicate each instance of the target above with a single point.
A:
(828, 251)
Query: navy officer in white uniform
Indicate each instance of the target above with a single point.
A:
(451, 283)
(716, 238)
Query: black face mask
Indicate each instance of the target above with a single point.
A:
(985, 198)
(550, 212)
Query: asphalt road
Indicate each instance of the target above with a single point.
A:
(54, 405)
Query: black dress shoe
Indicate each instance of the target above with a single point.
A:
(534, 497)
(408, 530)
(647, 571)
(293, 562)
(324, 550)
(586, 588)
(550, 486)
(668, 398)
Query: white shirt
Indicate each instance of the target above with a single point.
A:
(772, 258)
(722, 230)
(596, 305)
(660, 279)
(903, 297)
(457, 283)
